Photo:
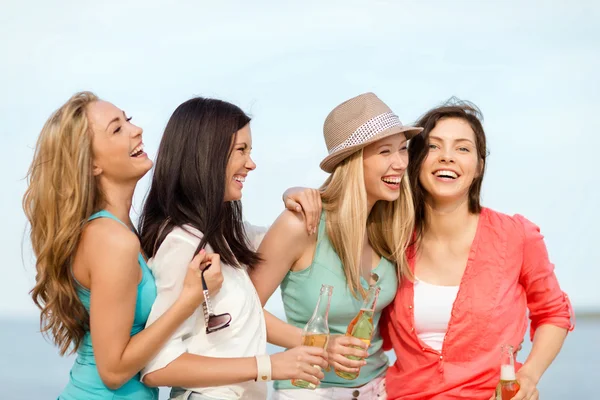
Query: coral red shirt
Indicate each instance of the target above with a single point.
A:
(507, 273)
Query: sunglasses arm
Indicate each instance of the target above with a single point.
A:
(207, 307)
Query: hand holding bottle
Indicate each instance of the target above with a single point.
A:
(302, 362)
(514, 386)
(360, 328)
(528, 388)
(316, 331)
(342, 346)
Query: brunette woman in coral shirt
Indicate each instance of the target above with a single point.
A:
(476, 274)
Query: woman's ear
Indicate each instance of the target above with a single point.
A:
(96, 170)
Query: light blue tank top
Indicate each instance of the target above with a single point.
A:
(84, 381)
(300, 291)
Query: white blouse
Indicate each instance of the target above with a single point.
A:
(246, 336)
(432, 311)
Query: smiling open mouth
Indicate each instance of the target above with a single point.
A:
(138, 151)
(443, 173)
(392, 182)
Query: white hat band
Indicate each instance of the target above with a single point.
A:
(371, 128)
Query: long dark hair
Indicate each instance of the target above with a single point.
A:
(188, 185)
(418, 149)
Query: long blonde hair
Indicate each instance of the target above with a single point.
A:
(61, 196)
(389, 225)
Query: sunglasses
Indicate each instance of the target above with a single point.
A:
(213, 322)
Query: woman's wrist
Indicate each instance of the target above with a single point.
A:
(184, 307)
(298, 335)
(263, 368)
(528, 370)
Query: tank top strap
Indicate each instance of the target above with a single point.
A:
(141, 260)
(146, 272)
(321, 232)
(322, 224)
(106, 214)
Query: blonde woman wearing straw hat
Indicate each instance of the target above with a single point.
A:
(365, 227)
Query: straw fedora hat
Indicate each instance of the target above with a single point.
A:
(356, 123)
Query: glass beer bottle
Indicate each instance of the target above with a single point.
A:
(316, 331)
(508, 386)
(362, 327)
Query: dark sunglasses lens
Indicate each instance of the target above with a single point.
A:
(216, 322)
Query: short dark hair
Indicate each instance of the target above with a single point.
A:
(188, 185)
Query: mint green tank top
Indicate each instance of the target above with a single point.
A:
(300, 291)
(84, 381)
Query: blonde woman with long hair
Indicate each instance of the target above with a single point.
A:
(93, 286)
(366, 225)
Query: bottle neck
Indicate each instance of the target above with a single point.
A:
(322, 308)
(371, 300)
(507, 365)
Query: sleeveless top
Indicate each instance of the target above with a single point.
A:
(85, 381)
(300, 291)
(432, 311)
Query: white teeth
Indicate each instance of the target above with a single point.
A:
(444, 172)
(138, 148)
(239, 179)
(395, 179)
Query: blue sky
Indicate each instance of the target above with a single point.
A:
(532, 68)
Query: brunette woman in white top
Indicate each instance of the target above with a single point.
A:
(193, 205)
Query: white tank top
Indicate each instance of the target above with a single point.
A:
(432, 311)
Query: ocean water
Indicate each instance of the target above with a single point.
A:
(30, 367)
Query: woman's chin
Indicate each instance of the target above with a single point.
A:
(233, 195)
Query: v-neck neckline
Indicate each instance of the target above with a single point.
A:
(459, 295)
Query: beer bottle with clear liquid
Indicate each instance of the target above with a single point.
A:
(508, 386)
(362, 326)
(316, 331)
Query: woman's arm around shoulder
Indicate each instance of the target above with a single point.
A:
(296, 199)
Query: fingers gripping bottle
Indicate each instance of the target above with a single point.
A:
(316, 331)
(362, 327)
